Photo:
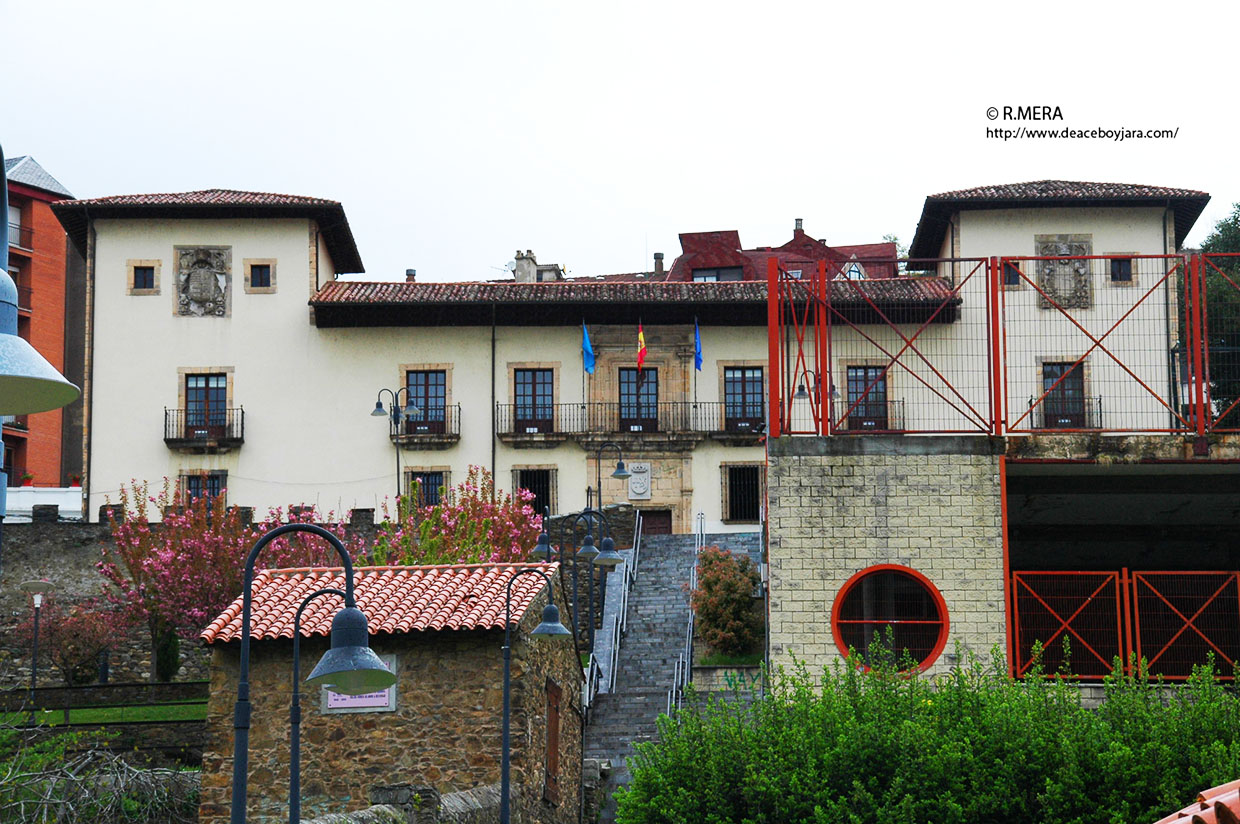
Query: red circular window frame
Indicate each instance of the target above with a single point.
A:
(937, 596)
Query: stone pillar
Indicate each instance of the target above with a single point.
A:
(45, 513)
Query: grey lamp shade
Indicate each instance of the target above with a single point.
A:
(608, 557)
(551, 624)
(351, 667)
(542, 550)
(588, 551)
(28, 383)
(378, 411)
(621, 471)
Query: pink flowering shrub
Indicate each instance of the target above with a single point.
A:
(177, 575)
(470, 525)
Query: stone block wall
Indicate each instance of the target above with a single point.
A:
(840, 505)
(445, 732)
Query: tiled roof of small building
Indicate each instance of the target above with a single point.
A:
(394, 598)
(1186, 204)
(1217, 805)
(75, 215)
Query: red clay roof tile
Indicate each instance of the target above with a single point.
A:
(207, 197)
(1219, 804)
(395, 599)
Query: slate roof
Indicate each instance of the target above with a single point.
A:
(75, 215)
(1187, 204)
(395, 599)
(27, 171)
(1217, 805)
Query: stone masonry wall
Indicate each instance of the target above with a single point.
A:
(444, 733)
(840, 505)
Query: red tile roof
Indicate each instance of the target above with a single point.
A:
(712, 250)
(76, 215)
(1219, 804)
(395, 599)
(206, 197)
(1186, 204)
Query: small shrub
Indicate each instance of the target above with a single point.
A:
(74, 637)
(723, 602)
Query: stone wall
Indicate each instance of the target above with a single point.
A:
(840, 505)
(444, 733)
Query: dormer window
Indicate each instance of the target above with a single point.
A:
(854, 271)
(718, 274)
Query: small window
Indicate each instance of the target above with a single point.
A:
(210, 484)
(854, 272)
(551, 785)
(143, 277)
(743, 493)
(431, 484)
(795, 274)
(260, 276)
(540, 483)
(1121, 270)
(893, 608)
(717, 274)
(1011, 273)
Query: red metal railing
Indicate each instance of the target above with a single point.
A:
(1172, 620)
(1089, 343)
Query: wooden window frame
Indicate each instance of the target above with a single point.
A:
(551, 760)
(131, 267)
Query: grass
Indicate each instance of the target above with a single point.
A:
(718, 659)
(196, 711)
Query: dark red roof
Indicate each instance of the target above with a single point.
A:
(1217, 805)
(714, 250)
(366, 303)
(395, 599)
(1187, 204)
(75, 215)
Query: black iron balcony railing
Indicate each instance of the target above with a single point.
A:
(870, 416)
(432, 423)
(21, 236)
(705, 417)
(205, 429)
(1058, 412)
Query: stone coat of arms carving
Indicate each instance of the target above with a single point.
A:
(1064, 283)
(204, 280)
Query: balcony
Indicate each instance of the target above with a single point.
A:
(19, 422)
(21, 236)
(199, 431)
(1070, 414)
(25, 296)
(867, 417)
(681, 422)
(432, 428)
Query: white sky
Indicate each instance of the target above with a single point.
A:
(591, 133)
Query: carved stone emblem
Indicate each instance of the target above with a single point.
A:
(204, 280)
(1065, 283)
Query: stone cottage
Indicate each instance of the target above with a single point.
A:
(441, 627)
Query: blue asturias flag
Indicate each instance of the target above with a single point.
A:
(587, 351)
(697, 346)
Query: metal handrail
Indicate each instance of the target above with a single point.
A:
(620, 621)
(589, 689)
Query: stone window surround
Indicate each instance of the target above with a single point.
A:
(1023, 266)
(513, 366)
(408, 472)
(841, 380)
(184, 473)
(247, 264)
(1122, 284)
(725, 499)
(446, 368)
(132, 264)
(184, 371)
(1086, 377)
(553, 492)
(935, 594)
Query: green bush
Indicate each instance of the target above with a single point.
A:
(975, 746)
(723, 602)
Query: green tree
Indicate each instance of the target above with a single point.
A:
(1222, 286)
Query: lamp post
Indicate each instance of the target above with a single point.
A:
(607, 558)
(294, 740)
(395, 413)
(620, 472)
(37, 589)
(549, 626)
(350, 667)
(28, 383)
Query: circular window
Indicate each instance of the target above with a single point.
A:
(890, 607)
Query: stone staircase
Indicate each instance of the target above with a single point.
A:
(655, 638)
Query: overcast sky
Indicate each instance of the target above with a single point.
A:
(457, 132)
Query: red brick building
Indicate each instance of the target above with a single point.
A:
(47, 445)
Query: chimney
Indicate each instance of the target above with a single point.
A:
(411, 275)
(658, 263)
(526, 270)
(798, 227)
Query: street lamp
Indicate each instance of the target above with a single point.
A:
(36, 589)
(350, 667)
(294, 740)
(551, 627)
(28, 383)
(620, 472)
(395, 413)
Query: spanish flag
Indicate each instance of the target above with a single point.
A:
(641, 347)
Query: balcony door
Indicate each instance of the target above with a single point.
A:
(867, 398)
(428, 391)
(1063, 401)
(206, 406)
(534, 394)
(639, 400)
(742, 399)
